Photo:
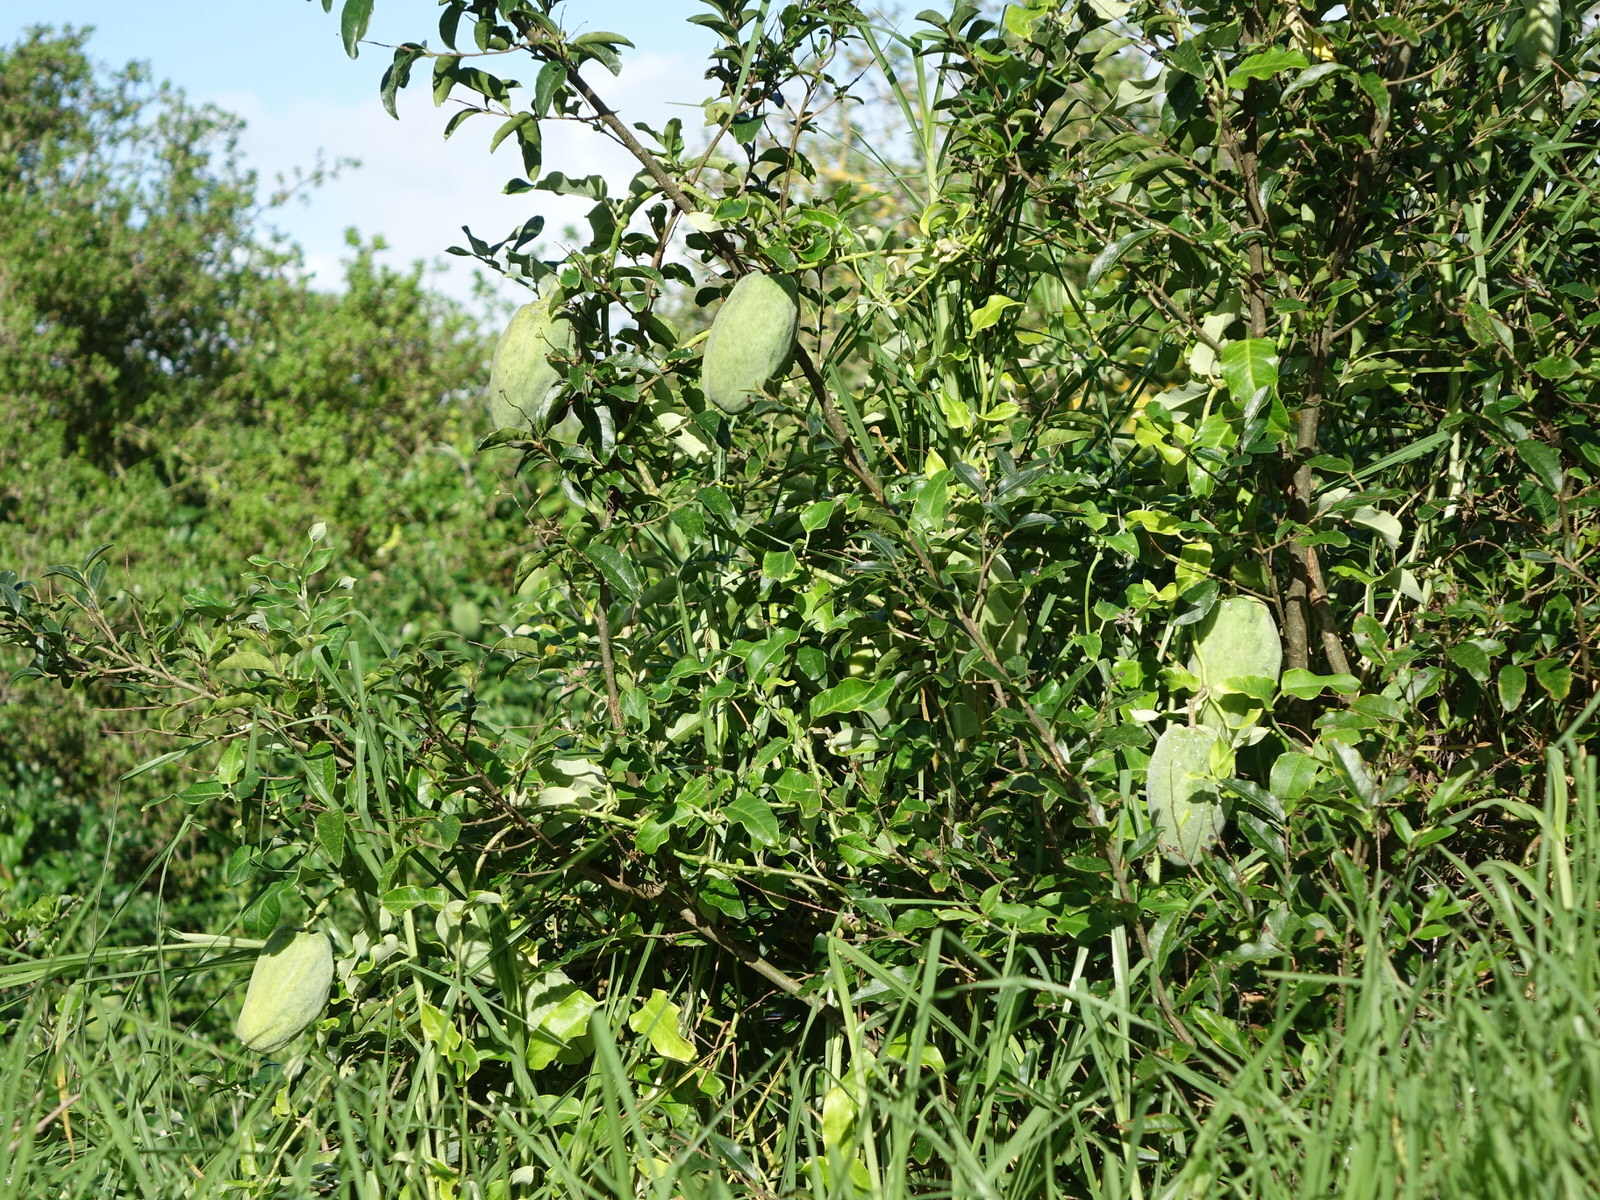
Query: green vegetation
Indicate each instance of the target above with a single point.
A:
(774, 802)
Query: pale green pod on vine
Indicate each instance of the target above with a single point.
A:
(752, 340)
(523, 384)
(1237, 639)
(1182, 793)
(288, 990)
(1538, 34)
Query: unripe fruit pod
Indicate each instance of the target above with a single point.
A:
(1538, 33)
(1181, 794)
(523, 385)
(1238, 638)
(288, 990)
(752, 340)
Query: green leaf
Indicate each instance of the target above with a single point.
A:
(402, 899)
(1293, 774)
(1485, 328)
(591, 186)
(1164, 524)
(752, 813)
(1511, 683)
(1377, 91)
(437, 1028)
(722, 894)
(602, 53)
(1555, 366)
(798, 790)
(601, 38)
(322, 775)
(652, 835)
(1545, 463)
(932, 505)
(816, 515)
(1386, 525)
(1160, 164)
(231, 765)
(1305, 685)
(1312, 75)
(508, 128)
(247, 660)
(657, 1020)
(715, 501)
(1554, 677)
(773, 650)
(779, 565)
(330, 834)
(557, 1013)
(838, 1118)
(397, 76)
(1249, 366)
(444, 78)
(853, 695)
(1471, 659)
(266, 914)
(1265, 65)
(1398, 27)
(1110, 256)
(1406, 453)
(617, 570)
(991, 311)
(240, 867)
(552, 77)
(353, 20)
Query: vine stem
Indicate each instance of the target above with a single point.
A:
(608, 662)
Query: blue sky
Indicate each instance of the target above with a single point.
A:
(280, 65)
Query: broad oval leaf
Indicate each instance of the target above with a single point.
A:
(1248, 366)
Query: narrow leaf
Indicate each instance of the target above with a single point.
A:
(1313, 75)
(398, 75)
(1109, 257)
(507, 129)
(330, 834)
(552, 76)
(1265, 65)
(1545, 463)
(853, 695)
(601, 38)
(353, 19)
(621, 574)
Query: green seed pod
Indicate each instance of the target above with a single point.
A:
(1238, 638)
(1181, 794)
(523, 385)
(1538, 33)
(288, 990)
(751, 342)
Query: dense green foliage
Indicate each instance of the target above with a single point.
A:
(797, 828)
(309, 406)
